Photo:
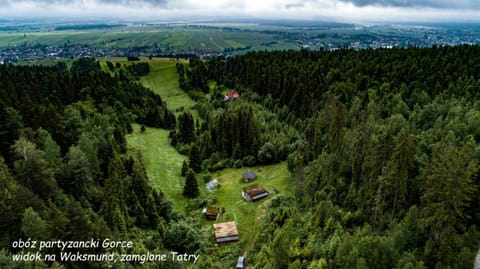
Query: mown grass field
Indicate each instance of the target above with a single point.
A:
(274, 178)
(162, 161)
(163, 80)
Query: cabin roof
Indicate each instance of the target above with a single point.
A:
(254, 190)
(249, 175)
(231, 95)
(225, 229)
(211, 210)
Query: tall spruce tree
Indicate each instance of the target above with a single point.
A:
(186, 127)
(184, 168)
(190, 189)
(195, 159)
(448, 190)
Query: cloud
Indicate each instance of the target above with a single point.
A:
(441, 4)
(294, 5)
(342, 10)
(13, 2)
(156, 3)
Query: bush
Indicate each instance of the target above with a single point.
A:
(133, 58)
(267, 154)
(238, 164)
(249, 161)
(207, 177)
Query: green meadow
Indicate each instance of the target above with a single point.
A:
(163, 80)
(162, 161)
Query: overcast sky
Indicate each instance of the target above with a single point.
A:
(339, 10)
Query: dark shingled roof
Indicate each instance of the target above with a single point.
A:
(211, 210)
(254, 190)
(249, 175)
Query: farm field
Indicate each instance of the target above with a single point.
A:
(164, 38)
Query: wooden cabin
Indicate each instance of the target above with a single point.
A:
(211, 212)
(254, 192)
(225, 232)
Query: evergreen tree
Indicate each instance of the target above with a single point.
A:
(114, 208)
(280, 249)
(77, 174)
(8, 188)
(51, 150)
(190, 190)
(33, 170)
(399, 166)
(10, 123)
(184, 168)
(448, 190)
(79, 226)
(186, 127)
(195, 159)
(33, 226)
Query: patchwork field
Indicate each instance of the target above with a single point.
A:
(166, 38)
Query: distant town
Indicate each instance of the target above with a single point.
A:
(205, 41)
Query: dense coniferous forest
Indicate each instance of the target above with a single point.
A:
(65, 173)
(383, 146)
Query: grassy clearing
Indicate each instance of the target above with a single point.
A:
(163, 80)
(275, 178)
(162, 162)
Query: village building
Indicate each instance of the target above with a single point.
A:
(249, 176)
(231, 95)
(225, 232)
(211, 212)
(254, 192)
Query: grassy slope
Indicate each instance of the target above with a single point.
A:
(163, 80)
(162, 161)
